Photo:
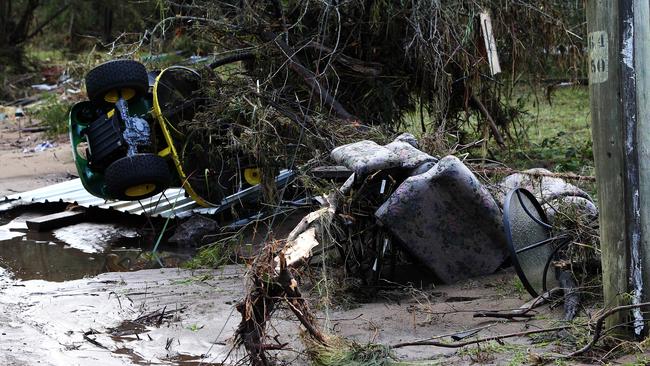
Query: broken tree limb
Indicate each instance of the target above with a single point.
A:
(297, 303)
(598, 328)
(523, 311)
(272, 281)
(303, 238)
(498, 315)
(268, 288)
(255, 311)
(308, 76)
(493, 126)
(479, 340)
(372, 69)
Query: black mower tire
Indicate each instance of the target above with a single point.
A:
(137, 177)
(116, 75)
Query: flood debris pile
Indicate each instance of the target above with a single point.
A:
(314, 76)
(403, 206)
(242, 133)
(375, 61)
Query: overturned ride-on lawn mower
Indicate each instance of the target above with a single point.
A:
(129, 142)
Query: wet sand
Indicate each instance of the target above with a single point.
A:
(22, 169)
(89, 321)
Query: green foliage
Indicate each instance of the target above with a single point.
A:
(53, 113)
(352, 354)
(641, 360)
(85, 23)
(519, 357)
(519, 286)
(555, 135)
(210, 256)
(487, 352)
(560, 362)
(195, 327)
(194, 279)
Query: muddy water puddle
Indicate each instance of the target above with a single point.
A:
(76, 251)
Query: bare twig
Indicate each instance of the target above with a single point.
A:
(489, 119)
(479, 340)
(523, 311)
(308, 76)
(598, 331)
(91, 340)
(598, 328)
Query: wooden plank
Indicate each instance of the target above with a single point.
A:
(55, 221)
(490, 43)
(607, 131)
(331, 172)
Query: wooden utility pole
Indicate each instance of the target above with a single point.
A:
(619, 81)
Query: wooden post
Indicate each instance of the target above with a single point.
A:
(618, 86)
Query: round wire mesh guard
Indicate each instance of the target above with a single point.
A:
(530, 240)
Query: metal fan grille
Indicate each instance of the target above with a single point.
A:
(529, 240)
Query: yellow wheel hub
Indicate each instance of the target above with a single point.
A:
(252, 176)
(140, 190)
(114, 95)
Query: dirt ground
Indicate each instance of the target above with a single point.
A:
(189, 319)
(21, 167)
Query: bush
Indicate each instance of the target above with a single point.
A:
(210, 256)
(53, 114)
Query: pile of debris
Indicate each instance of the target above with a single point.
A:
(414, 206)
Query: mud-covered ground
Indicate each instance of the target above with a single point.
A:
(183, 317)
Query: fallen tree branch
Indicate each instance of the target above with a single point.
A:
(493, 126)
(499, 315)
(272, 281)
(261, 301)
(296, 302)
(93, 341)
(371, 69)
(598, 329)
(308, 76)
(523, 311)
(479, 340)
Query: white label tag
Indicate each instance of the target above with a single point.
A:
(598, 57)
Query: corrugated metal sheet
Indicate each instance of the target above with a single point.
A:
(171, 203)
